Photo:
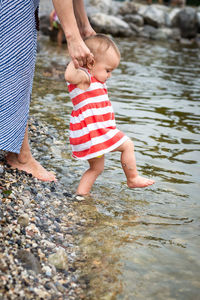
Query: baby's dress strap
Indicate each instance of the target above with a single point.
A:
(86, 71)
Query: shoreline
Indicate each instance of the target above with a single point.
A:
(38, 220)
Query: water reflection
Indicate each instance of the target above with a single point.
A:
(140, 244)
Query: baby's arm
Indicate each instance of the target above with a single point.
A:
(77, 76)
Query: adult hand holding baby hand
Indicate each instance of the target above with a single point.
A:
(79, 53)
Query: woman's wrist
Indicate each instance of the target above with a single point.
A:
(72, 36)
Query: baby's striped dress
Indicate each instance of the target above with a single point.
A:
(93, 130)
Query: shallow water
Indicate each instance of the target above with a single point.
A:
(139, 244)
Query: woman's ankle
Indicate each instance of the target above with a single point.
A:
(21, 158)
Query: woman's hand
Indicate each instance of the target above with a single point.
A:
(79, 52)
(73, 17)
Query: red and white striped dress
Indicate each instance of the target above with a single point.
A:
(93, 130)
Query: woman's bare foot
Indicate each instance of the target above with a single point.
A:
(139, 182)
(31, 166)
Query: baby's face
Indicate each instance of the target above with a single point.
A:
(104, 66)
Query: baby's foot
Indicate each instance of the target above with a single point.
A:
(139, 182)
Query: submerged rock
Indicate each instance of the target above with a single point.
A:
(29, 260)
(59, 259)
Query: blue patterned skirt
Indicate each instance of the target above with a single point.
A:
(18, 42)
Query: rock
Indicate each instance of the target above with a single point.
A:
(48, 244)
(42, 293)
(23, 220)
(198, 21)
(44, 24)
(26, 198)
(3, 265)
(186, 42)
(128, 8)
(197, 41)
(187, 21)
(47, 271)
(104, 6)
(134, 19)
(17, 229)
(59, 259)
(172, 15)
(154, 17)
(1, 212)
(110, 24)
(162, 34)
(135, 28)
(79, 198)
(175, 34)
(148, 31)
(1, 170)
(31, 230)
(60, 287)
(141, 9)
(29, 260)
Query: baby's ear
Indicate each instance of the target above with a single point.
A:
(90, 64)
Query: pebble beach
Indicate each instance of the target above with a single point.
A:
(39, 257)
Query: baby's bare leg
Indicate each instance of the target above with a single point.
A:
(89, 177)
(128, 162)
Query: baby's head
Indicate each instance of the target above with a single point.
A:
(106, 56)
(99, 45)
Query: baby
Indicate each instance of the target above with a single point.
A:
(93, 131)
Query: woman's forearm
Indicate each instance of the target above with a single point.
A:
(80, 13)
(82, 19)
(79, 52)
(65, 12)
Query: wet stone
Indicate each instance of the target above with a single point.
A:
(59, 259)
(23, 220)
(67, 194)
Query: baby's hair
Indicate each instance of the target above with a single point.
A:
(99, 44)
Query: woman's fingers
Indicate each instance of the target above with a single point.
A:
(75, 62)
(83, 61)
(90, 59)
(79, 52)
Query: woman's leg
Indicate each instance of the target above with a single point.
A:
(89, 177)
(24, 161)
(128, 163)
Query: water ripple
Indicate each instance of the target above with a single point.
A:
(140, 244)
